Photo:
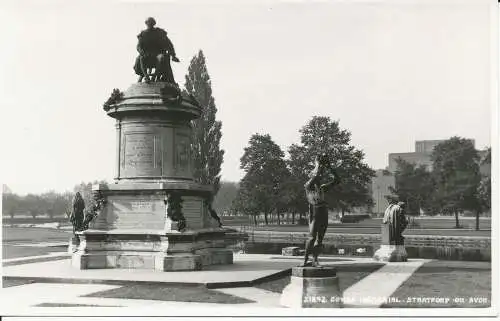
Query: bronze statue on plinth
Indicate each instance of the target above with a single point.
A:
(77, 215)
(392, 248)
(396, 220)
(155, 50)
(322, 177)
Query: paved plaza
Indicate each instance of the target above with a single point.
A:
(50, 281)
(38, 278)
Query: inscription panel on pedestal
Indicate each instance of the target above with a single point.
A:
(131, 213)
(182, 153)
(192, 208)
(140, 154)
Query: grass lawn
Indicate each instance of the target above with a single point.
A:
(348, 275)
(465, 284)
(163, 293)
(11, 252)
(34, 234)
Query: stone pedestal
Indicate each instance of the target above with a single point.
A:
(390, 250)
(73, 244)
(154, 250)
(290, 251)
(153, 161)
(391, 253)
(312, 287)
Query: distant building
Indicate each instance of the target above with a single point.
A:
(421, 156)
(426, 146)
(380, 190)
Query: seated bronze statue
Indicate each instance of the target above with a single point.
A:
(155, 50)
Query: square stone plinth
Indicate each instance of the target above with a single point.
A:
(153, 250)
(391, 253)
(312, 287)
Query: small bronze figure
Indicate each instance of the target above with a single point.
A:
(155, 50)
(77, 213)
(394, 216)
(322, 177)
(211, 210)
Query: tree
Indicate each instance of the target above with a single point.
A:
(251, 198)
(49, 202)
(224, 199)
(205, 148)
(262, 189)
(11, 203)
(85, 190)
(484, 189)
(31, 204)
(414, 186)
(322, 135)
(457, 177)
(297, 162)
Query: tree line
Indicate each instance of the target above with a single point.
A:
(273, 185)
(453, 185)
(58, 205)
(52, 204)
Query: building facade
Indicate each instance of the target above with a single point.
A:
(421, 156)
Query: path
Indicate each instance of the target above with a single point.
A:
(372, 290)
(380, 284)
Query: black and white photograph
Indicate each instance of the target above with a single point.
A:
(333, 158)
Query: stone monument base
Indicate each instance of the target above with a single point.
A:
(312, 287)
(391, 253)
(153, 250)
(73, 244)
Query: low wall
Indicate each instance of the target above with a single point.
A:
(467, 248)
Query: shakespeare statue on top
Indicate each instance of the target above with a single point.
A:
(322, 177)
(155, 50)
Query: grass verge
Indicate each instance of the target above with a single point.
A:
(163, 293)
(450, 284)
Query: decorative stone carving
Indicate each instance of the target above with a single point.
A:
(173, 202)
(211, 211)
(171, 93)
(97, 206)
(116, 97)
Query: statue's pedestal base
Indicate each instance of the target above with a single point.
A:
(153, 250)
(312, 287)
(391, 253)
(291, 251)
(73, 244)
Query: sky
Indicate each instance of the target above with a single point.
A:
(391, 72)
